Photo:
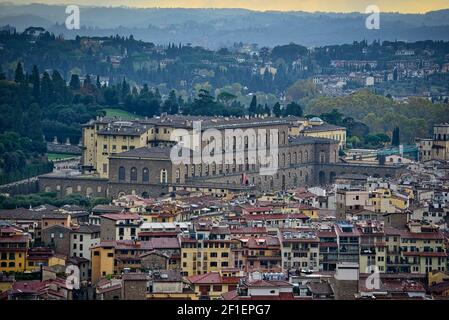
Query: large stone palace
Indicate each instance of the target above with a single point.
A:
(136, 157)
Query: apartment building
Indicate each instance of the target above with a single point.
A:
(212, 285)
(348, 240)
(202, 253)
(115, 257)
(300, 250)
(82, 238)
(417, 249)
(350, 199)
(120, 226)
(328, 249)
(373, 248)
(14, 244)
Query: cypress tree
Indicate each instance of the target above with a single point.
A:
(253, 105)
(36, 81)
(46, 89)
(395, 139)
(19, 76)
(75, 83)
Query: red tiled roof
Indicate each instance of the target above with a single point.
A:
(276, 216)
(249, 230)
(256, 243)
(121, 216)
(109, 288)
(251, 209)
(414, 235)
(158, 233)
(327, 234)
(19, 238)
(212, 278)
(439, 287)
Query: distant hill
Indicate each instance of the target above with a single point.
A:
(220, 27)
(23, 21)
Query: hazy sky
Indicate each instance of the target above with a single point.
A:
(406, 6)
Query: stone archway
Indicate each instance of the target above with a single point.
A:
(332, 176)
(322, 178)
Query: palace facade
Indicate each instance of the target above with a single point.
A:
(136, 157)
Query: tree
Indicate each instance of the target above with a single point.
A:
(334, 117)
(395, 74)
(171, 104)
(277, 109)
(225, 97)
(267, 110)
(289, 52)
(293, 109)
(87, 81)
(253, 105)
(2, 74)
(125, 89)
(36, 81)
(19, 76)
(46, 89)
(395, 139)
(111, 96)
(59, 88)
(302, 89)
(33, 128)
(75, 83)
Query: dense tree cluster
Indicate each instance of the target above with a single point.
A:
(33, 200)
(382, 115)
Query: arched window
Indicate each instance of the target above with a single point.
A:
(145, 175)
(133, 174)
(12, 264)
(164, 177)
(295, 158)
(121, 174)
(306, 155)
(3, 265)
